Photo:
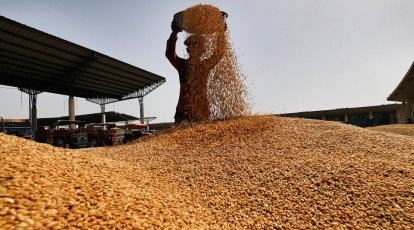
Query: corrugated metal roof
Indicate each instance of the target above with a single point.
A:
(405, 90)
(30, 58)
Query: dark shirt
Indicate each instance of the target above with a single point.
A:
(181, 65)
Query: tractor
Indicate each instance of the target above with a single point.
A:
(98, 134)
(115, 136)
(62, 135)
(135, 131)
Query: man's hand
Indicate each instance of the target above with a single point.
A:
(174, 26)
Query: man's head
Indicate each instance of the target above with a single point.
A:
(196, 45)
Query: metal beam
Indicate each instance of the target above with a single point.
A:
(86, 89)
(144, 92)
(30, 91)
(102, 101)
(76, 73)
(136, 94)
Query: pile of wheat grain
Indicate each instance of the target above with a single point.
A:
(217, 89)
(403, 129)
(251, 172)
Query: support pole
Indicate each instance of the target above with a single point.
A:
(407, 111)
(30, 108)
(34, 115)
(346, 118)
(411, 111)
(141, 109)
(370, 115)
(400, 115)
(393, 118)
(71, 111)
(103, 113)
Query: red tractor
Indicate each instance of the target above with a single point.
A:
(62, 135)
(135, 131)
(98, 134)
(115, 136)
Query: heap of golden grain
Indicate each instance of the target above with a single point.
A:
(217, 88)
(403, 129)
(250, 172)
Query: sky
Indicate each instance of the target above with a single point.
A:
(297, 55)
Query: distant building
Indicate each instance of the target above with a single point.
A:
(359, 116)
(373, 115)
(405, 94)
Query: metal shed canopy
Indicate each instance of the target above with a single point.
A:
(32, 59)
(405, 90)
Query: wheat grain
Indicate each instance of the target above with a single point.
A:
(249, 172)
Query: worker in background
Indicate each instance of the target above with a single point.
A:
(181, 65)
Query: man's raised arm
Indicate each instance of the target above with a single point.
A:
(171, 43)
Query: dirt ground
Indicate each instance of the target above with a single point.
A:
(253, 172)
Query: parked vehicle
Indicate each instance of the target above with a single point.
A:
(115, 136)
(17, 127)
(135, 131)
(63, 136)
(98, 133)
